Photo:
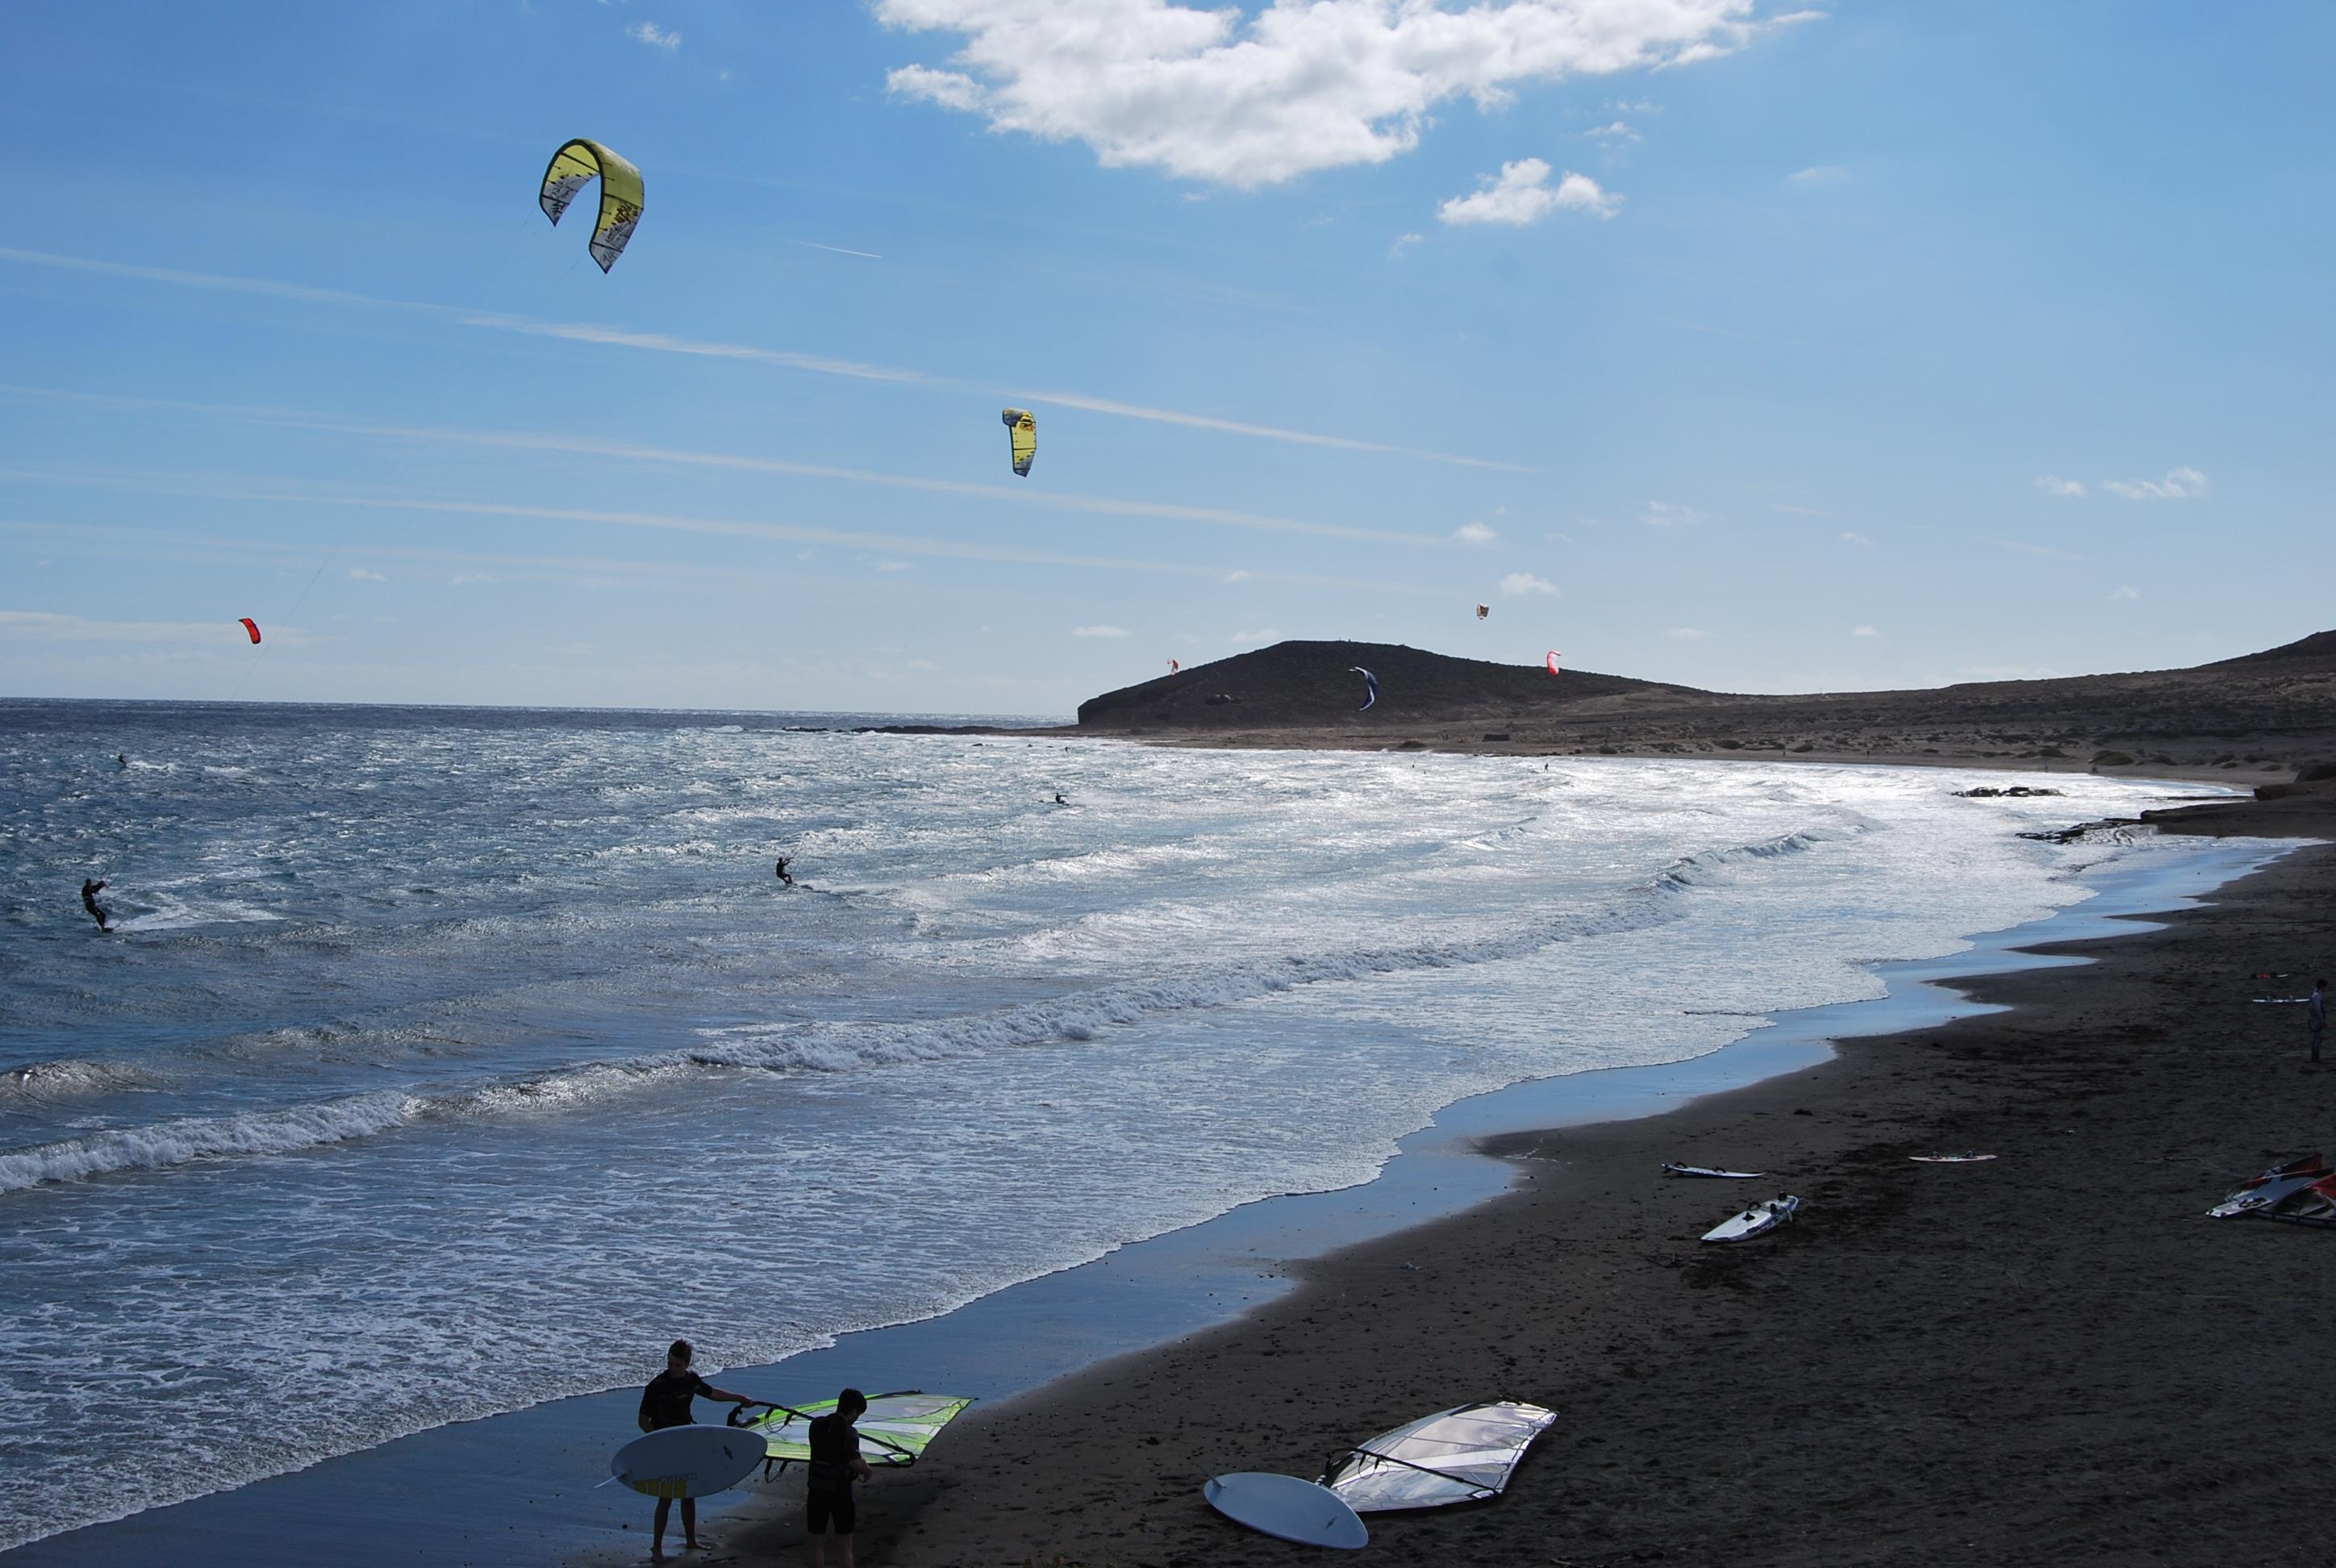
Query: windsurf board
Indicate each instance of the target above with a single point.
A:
(689, 1461)
(1757, 1220)
(1287, 1508)
(1672, 1169)
(1949, 1159)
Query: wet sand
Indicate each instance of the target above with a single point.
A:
(2050, 1356)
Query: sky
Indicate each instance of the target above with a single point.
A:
(1760, 347)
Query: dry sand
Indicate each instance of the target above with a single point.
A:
(2049, 1357)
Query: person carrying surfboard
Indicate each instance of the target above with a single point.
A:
(835, 1463)
(665, 1402)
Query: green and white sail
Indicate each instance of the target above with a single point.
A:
(896, 1429)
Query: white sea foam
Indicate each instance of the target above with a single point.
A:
(177, 1143)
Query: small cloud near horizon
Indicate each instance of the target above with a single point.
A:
(359, 574)
(894, 565)
(2180, 484)
(1866, 631)
(1819, 174)
(655, 36)
(468, 579)
(1664, 513)
(2074, 489)
(1522, 194)
(1402, 242)
(1686, 631)
(1614, 130)
(1262, 634)
(1851, 536)
(2042, 550)
(2127, 594)
(1098, 631)
(1474, 533)
(1524, 582)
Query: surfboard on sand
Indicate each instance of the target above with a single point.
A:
(1671, 1170)
(1949, 1159)
(1757, 1220)
(687, 1461)
(1287, 1508)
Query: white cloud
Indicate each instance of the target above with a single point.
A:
(922, 663)
(1819, 174)
(1402, 242)
(465, 579)
(2129, 594)
(1633, 106)
(1864, 631)
(359, 574)
(2074, 489)
(1098, 631)
(655, 36)
(1665, 513)
(2180, 484)
(1851, 536)
(1524, 582)
(1474, 533)
(894, 565)
(1238, 574)
(1686, 631)
(1522, 194)
(1254, 100)
(1262, 634)
(1615, 130)
(2042, 550)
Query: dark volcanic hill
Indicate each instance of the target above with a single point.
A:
(2264, 712)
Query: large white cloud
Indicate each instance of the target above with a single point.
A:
(1302, 85)
(1522, 194)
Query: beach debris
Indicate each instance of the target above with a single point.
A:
(1963, 1159)
(1675, 1170)
(251, 628)
(894, 1431)
(576, 165)
(2257, 1193)
(1757, 1220)
(1463, 1454)
(1022, 435)
(1370, 686)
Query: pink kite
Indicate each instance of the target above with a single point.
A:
(1552, 662)
(252, 626)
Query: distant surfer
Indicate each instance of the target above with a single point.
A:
(665, 1402)
(90, 889)
(782, 871)
(1059, 799)
(835, 1465)
(122, 761)
(2316, 1015)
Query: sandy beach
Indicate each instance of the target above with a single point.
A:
(2049, 1355)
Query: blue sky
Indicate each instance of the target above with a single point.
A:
(1762, 348)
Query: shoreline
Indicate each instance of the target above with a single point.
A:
(1138, 1299)
(1937, 1364)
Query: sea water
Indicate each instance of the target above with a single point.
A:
(446, 1061)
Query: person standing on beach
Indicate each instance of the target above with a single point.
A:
(90, 889)
(665, 1402)
(2316, 1015)
(835, 1463)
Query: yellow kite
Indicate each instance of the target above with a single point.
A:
(1025, 426)
(572, 167)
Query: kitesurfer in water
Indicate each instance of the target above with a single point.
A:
(782, 871)
(1059, 799)
(835, 1463)
(665, 1402)
(90, 889)
(122, 761)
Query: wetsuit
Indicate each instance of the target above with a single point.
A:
(666, 1401)
(89, 891)
(827, 1493)
(782, 871)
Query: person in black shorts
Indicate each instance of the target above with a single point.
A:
(835, 1463)
(665, 1402)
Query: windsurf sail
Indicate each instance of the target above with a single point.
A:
(2315, 1206)
(1463, 1454)
(895, 1430)
(2274, 1185)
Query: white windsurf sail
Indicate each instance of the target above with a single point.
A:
(895, 1430)
(1463, 1454)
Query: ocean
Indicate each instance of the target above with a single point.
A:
(447, 1061)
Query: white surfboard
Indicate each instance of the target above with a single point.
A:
(1287, 1508)
(1672, 1169)
(1757, 1220)
(689, 1461)
(1949, 1159)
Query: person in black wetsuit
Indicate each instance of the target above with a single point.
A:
(835, 1463)
(665, 1402)
(89, 891)
(782, 871)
